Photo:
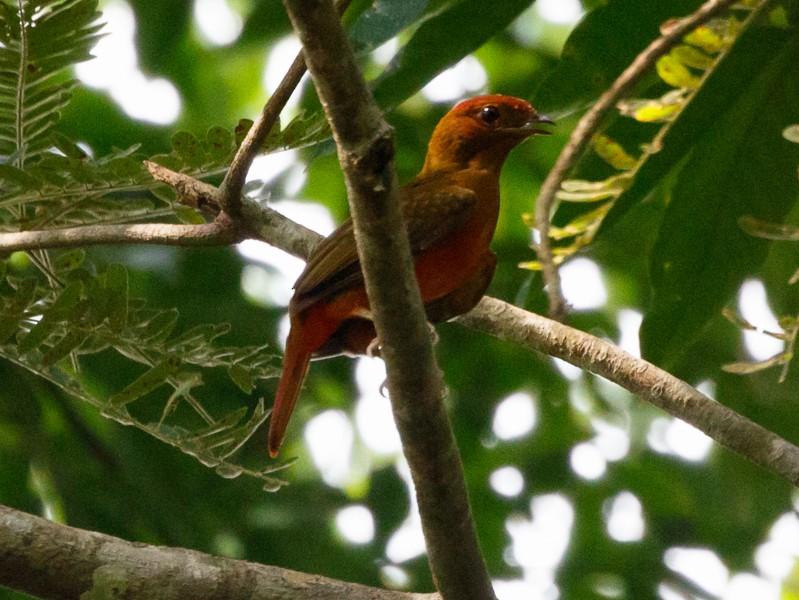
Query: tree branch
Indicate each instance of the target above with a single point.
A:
(643, 379)
(365, 148)
(220, 232)
(57, 562)
(585, 130)
(492, 316)
(231, 188)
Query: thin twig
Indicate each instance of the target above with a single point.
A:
(191, 191)
(583, 133)
(365, 148)
(233, 183)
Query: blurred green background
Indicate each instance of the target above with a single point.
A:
(579, 490)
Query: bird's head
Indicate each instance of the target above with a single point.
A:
(486, 129)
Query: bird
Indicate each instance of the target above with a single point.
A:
(450, 211)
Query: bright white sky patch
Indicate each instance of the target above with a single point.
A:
(267, 167)
(310, 214)
(356, 524)
(281, 55)
(629, 324)
(559, 12)
(707, 387)
(667, 435)
(217, 22)
(265, 286)
(466, 77)
(583, 286)
(116, 70)
(515, 416)
(407, 541)
(373, 411)
(507, 481)
(612, 441)
(753, 305)
(687, 442)
(540, 543)
(624, 518)
(383, 54)
(568, 370)
(587, 461)
(522, 589)
(394, 576)
(776, 558)
(702, 566)
(329, 439)
(745, 586)
(272, 283)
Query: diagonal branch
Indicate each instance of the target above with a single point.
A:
(639, 377)
(507, 322)
(59, 562)
(233, 184)
(587, 127)
(643, 379)
(365, 148)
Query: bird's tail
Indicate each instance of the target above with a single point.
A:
(295, 366)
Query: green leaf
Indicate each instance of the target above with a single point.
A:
(69, 342)
(740, 166)
(59, 311)
(441, 41)
(220, 143)
(241, 130)
(116, 282)
(384, 20)
(754, 48)
(67, 146)
(188, 148)
(160, 327)
(242, 377)
(147, 382)
(37, 41)
(13, 314)
(585, 71)
(18, 177)
(69, 260)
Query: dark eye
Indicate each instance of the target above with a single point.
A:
(489, 114)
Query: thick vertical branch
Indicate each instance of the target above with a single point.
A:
(365, 148)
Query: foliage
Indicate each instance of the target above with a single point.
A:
(713, 146)
(137, 333)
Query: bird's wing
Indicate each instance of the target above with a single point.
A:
(431, 213)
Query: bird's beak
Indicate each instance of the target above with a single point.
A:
(536, 119)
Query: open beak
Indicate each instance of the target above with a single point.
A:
(537, 119)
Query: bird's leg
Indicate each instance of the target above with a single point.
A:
(373, 349)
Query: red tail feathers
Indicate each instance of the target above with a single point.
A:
(295, 366)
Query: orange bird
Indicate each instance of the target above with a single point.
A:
(450, 210)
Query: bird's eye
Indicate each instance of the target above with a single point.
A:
(489, 114)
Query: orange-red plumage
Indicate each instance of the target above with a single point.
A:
(450, 211)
